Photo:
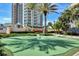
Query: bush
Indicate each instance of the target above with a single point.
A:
(47, 34)
(6, 35)
(3, 35)
(71, 33)
(23, 34)
(5, 52)
(59, 32)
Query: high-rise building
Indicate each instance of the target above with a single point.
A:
(23, 16)
(17, 14)
(32, 17)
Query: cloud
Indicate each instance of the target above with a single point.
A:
(5, 20)
(52, 21)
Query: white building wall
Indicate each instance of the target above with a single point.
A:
(34, 22)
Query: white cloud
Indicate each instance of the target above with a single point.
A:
(6, 20)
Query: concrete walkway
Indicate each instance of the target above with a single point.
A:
(67, 36)
(76, 54)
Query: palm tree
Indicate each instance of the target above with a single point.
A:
(44, 8)
(57, 26)
(77, 24)
(65, 18)
(68, 16)
(74, 5)
(75, 10)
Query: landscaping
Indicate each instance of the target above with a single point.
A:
(4, 51)
(57, 38)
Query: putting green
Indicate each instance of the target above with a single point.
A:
(29, 45)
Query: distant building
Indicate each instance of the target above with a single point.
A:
(8, 24)
(2, 28)
(17, 14)
(23, 16)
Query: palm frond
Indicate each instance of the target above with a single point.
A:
(31, 6)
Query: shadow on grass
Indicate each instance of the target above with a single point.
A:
(42, 44)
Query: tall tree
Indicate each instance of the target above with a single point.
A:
(74, 5)
(57, 25)
(68, 16)
(44, 8)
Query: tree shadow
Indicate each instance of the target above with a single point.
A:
(42, 44)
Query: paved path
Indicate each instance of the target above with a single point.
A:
(76, 54)
(67, 36)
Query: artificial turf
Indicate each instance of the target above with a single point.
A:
(54, 45)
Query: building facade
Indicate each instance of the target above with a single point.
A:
(21, 15)
(17, 14)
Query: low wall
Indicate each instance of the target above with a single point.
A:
(18, 30)
(8, 30)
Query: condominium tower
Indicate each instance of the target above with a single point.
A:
(17, 13)
(23, 16)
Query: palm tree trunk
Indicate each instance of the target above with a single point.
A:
(45, 25)
(45, 28)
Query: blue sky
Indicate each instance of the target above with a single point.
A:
(5, 12)
(54, 16)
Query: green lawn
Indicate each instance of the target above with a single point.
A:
(41, 46)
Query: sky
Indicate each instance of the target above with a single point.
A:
(60, 8)
(6, 12)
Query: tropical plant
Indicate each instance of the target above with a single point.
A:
(67, 17)
(1, 51)
(57, 25)
(44, 8)
(75, 5)
(64, 23)
(4, 51)
(77, 24)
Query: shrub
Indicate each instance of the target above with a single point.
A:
(71, 33)
(47, 34)
(5, 52)
(6, 35)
